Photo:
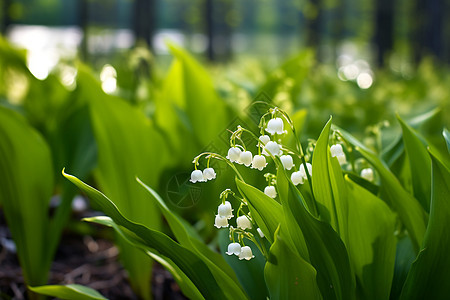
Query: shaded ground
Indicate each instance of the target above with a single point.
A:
(85, 261)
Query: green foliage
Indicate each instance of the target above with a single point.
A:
(25, 191)
(69, 292)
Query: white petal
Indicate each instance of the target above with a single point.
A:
(220, 222)
(287, 161)
(233, 154)
(197, 175)
(209, 174)
(273, 148)
(246, 158)
(261, 234)
(275, 126)
(270, 191)
(234, 248)
(243, 222)
(367, 174)
(225, 210)
(336, 150)
(264, 139)
(246, 253)
(259, 162)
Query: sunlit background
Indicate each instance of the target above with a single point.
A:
(357, 36)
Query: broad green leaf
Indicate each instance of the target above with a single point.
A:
(69, 292)
(188, 108)
(371, 241)
(420, 165)
(26, 186)
(408, 208)
(267, 211)
(218, 266)
(328, 186)
(288, 275)
(129, 146)
(250, 273)
(404, 257)
(187, 287)
(154, 241)
(327, 252)
(429, 274)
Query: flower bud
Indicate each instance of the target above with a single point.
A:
(209, 174)
(246, 253)
(220, 222)
(233, 154)
(234, 248)
(367, 174)
(246, 158)
(261, 234)
(270, 191)
(197, 175)
(273, 148)
(243, 222)
(275, 126)
(287, 161)
(225, 210)
(259, 162)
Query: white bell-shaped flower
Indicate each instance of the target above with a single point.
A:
(273, 148)
(336, 150)
(275, 126)
(300, 176)
(264, 139)
(246, 253)
(287, 161)
(246, 158)
(297, 178)
(259, 162)
(234, 248)
(261, 234)
(302, 170)
(220, 222)
(270, 191)
(243, 222)
(225, 210)
(234, 154)
(367, 174)
(197, 175)
(209, 174)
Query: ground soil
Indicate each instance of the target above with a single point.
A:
(92, 262)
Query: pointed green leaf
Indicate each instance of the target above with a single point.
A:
(69, 292)
(188, 262)
(429, 274)
(371, 241)
(408, 208)
(327, 252)
(218, 266)
(420, 165)
(266, 211)
(26, 186)
(288, 275)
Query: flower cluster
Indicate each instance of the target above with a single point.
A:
(199, 176)
(269, 146)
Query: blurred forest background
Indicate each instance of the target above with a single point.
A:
(394, 33)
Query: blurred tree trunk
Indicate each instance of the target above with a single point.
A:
(384, 30)
(313, 26)
(5, 17)
(144, 21)
(83, 21)
(428, 37)
(209, 29)
(218, 30)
